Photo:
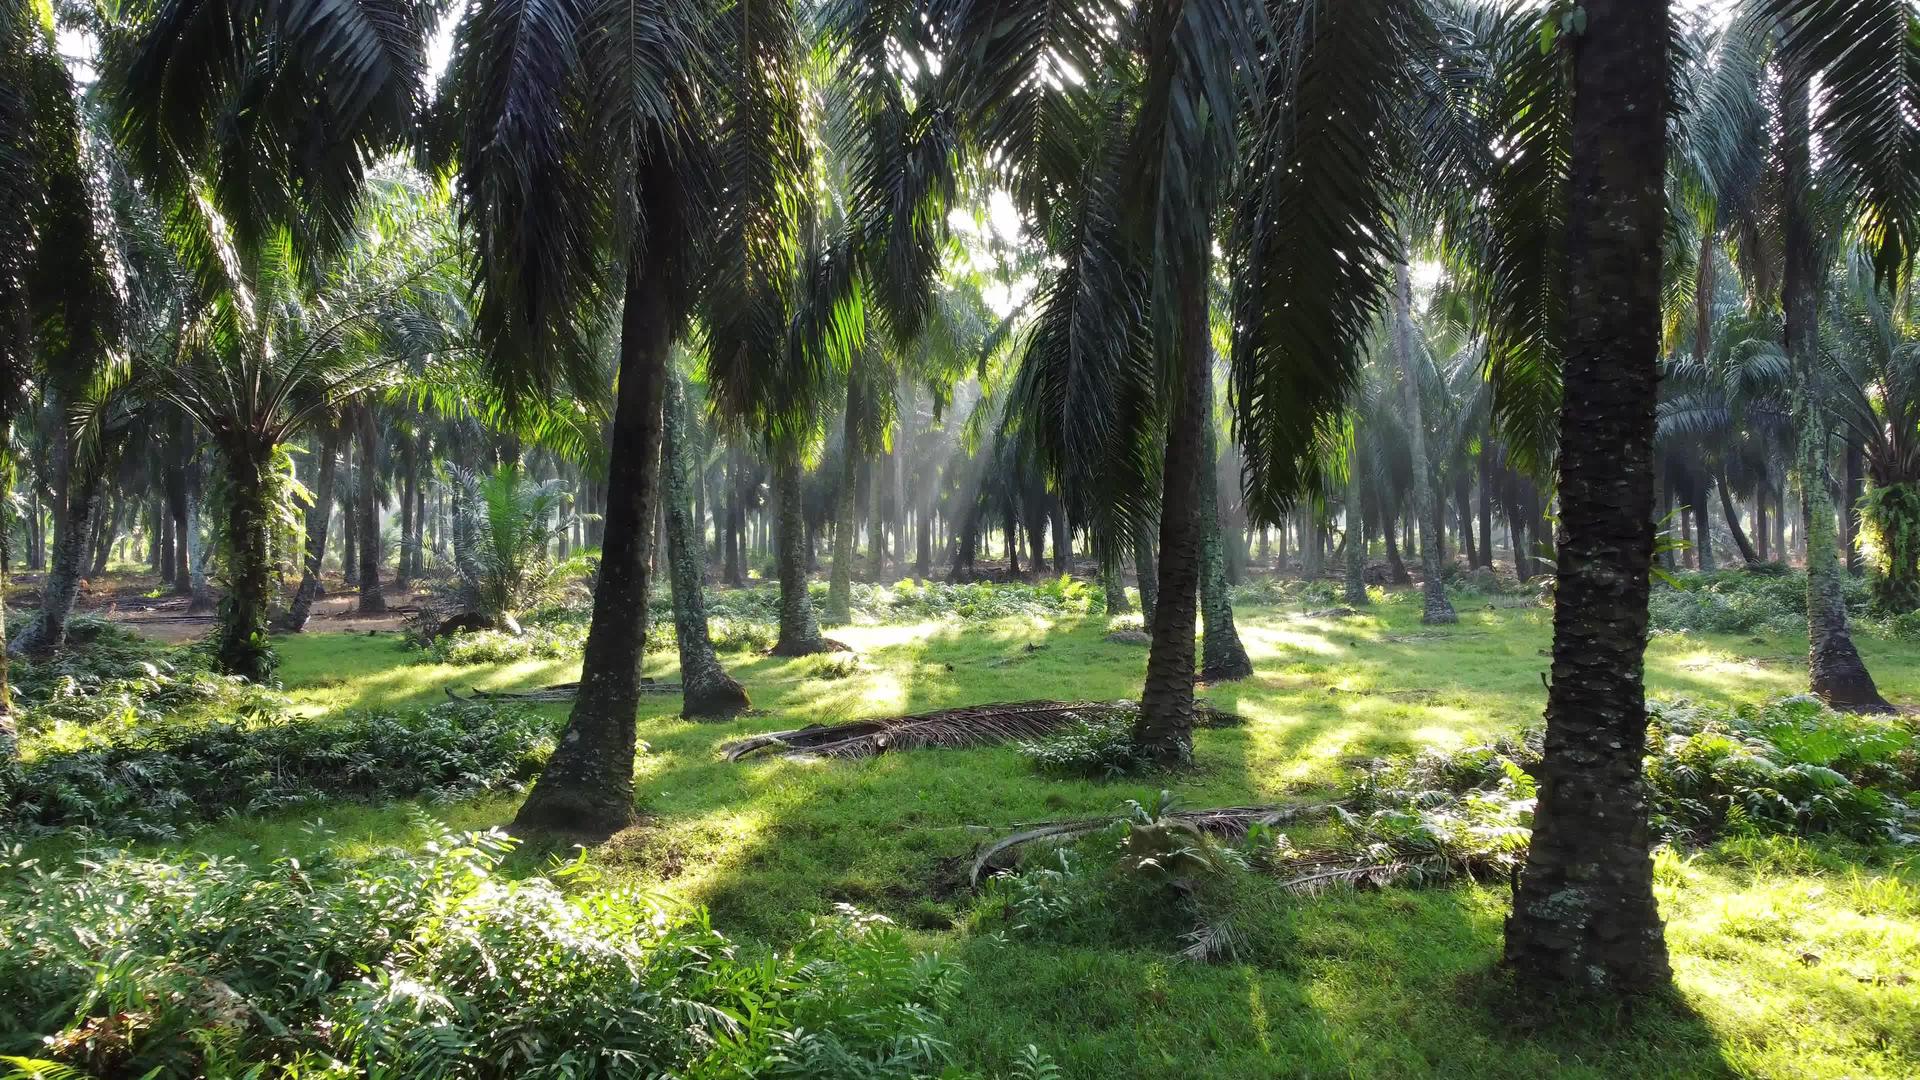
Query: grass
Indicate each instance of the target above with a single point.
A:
(1790, 959)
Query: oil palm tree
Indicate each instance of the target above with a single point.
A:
(706, 690)
(1584, 913)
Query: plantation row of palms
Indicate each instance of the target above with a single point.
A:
(677, 251)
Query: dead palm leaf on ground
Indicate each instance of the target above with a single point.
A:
(970, 726)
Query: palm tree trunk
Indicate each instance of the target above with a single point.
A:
(1850, 512)
(409, 487)
(372, 601)
(1222, 656)
(587, 786)
(9, 727)
(1584, 915)
(840, 576)
(1426, 509)
(1356, 592)
(199, 554)
(706, 690)
(318, 516)
(799, 630)
(1396, 568)
(1836, 672)
(1486, 509)
(243, 648)
(72, 543)
(1144, 569)
(1702, 521)
(1115, 589)
(1732, 514)
(1164, 730)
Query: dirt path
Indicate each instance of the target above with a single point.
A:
(129, 599)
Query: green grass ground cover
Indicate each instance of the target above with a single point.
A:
(1792, 958)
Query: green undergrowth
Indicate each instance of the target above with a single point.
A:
(431, 964)
(1368, 981)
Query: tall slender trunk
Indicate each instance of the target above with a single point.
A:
(840, 577)
(318, 516)
(587, 785)
(1732, 515)
(1486, 510)
(409, 487)
(1356, 592)
(1702, 521)
(9, 727)
(1062, 537)
(1856, 486)
(799, 629)
(1836, 672)
(1114, 589)
(706, 690)
(199, 553)
(1396, 567)
(372, 601)
(1164, 729)
(731, 566)
(1463, 509)
(1144, 568)
(877, 486)
(1222, 656)
(1426, 509)
(349, 521)
(1584, 914)
(243, 648)
(1760, 517)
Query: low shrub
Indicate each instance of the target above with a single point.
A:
(159, 782)
(431, 964)
(1762, 601)
(1791, 766)
(1101, 748)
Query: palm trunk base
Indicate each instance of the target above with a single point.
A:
(712, 695)
(1438, 610)
(1840, 678)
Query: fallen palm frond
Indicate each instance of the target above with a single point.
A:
(1226, 821)
(973, 725)
(566, 691)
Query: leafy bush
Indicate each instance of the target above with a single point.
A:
(1093, 748)
(98, 652)
(1791, 766)
(433, 965)
(1772, 601)
(503, 524)
(158, 782)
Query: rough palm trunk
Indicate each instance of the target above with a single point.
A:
(731, 568)
(199, 556)
(1221, 654)
(1356, 591)
(243, 648)
(409, 488)
(1732, 515)
(1426, 509)
(1396, 567)
(1486, 509)
(1702, 521)
(372, 601)
(1144, 569)
(587, 785)
(799, 629)
(706, 690)
(1836, 672)
(72, 543)
(840, 577)
(1850, 508)
(318, 516)
(1115, 589)
(1584, 915)
(1164, 729)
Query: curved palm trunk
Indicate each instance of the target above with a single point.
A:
(1164, 730)
(1356, 591)
(799, 629)
(706, 690)
(1732, 515)
(1221, 654)
(1835, 670)
(840, 577)
(72, 549)
(1426, 509)
(1583, 913)
(372, 601)
(243, 648)
(587, 786)
(318, 515)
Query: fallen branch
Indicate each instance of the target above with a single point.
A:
(1220, 821)
(566, 691)
(974, 725)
